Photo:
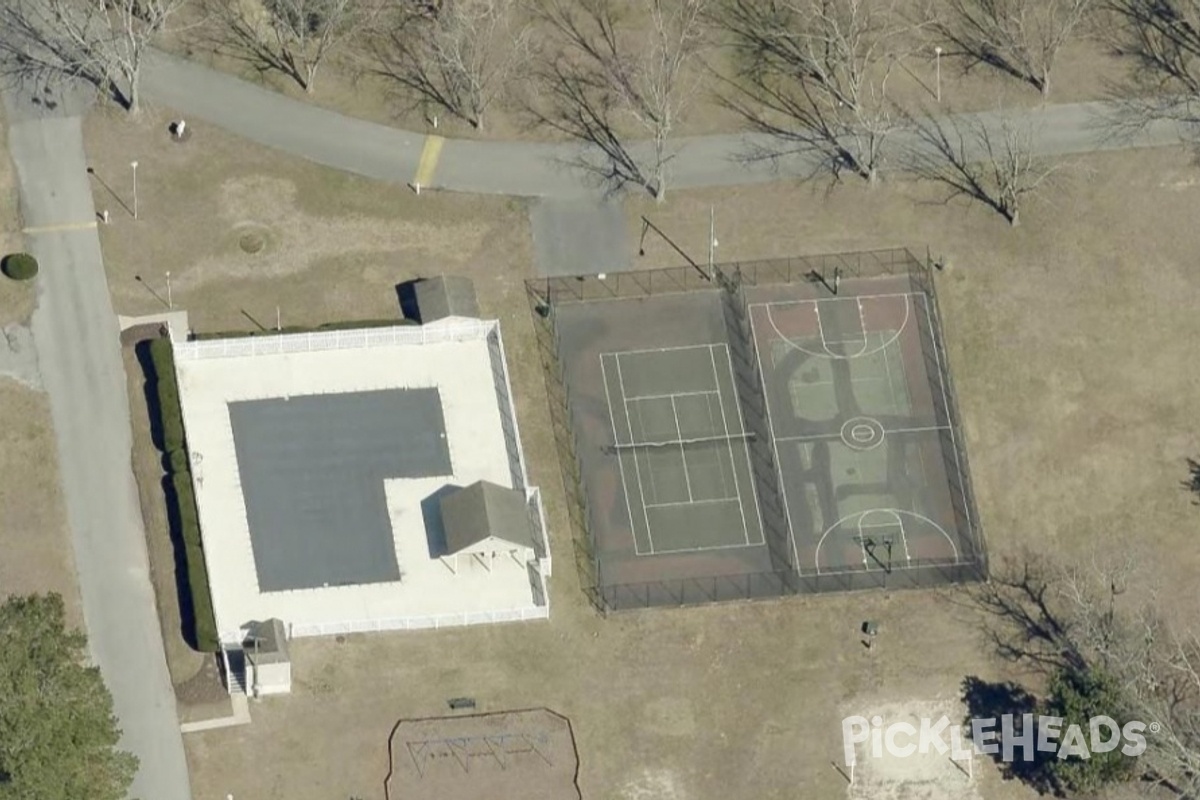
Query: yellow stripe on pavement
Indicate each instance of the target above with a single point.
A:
(429, 160)
(66, 226)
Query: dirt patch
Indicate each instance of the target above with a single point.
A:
(881, 774)
(514, 754)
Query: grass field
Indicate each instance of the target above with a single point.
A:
(1066, 337)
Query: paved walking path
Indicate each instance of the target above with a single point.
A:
(524, 168)
(79, 357)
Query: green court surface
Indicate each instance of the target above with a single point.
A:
(682, 449)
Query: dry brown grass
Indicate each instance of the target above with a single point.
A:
(335, 244)
(17, 298)
(1083, 70)
(34, 536)
(1066, 338)
(1069, 339)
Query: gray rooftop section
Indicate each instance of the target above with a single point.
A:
(312, 470)
(266, 642)
(446, 296)
(485, 509)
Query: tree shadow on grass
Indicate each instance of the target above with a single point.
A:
(1192, 484)
(1009, 701)
(183, 589)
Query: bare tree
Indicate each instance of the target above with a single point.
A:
(1018, 37)
(102, 43)
(989, 159)
(1162, 39)
(813, 75)
(1100, 613)
(293, 37)
(458, 56)
(609, 78)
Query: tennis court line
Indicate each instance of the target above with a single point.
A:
(712, 352)
(673, 394)
(620, 461)
(787, 512)
(637, 467)
(942, 373)
(693, 502)
(687, 479)
(699, 549)
(617, 353)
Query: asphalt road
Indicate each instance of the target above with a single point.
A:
(76, 336)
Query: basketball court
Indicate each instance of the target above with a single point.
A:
(856, 431)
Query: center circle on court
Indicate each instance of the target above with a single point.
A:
(862, 433)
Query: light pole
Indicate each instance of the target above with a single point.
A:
(937, 60)
(133, 165)
(169, 303)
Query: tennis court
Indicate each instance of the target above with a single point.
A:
(681, 449)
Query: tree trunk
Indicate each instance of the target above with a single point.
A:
(135, 95)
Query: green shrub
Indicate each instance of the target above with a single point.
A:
(19, 266)
(177, 461)
(197, 573)
(163, 359)
(172, 419)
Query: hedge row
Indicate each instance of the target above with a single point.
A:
(326, 326)
(182, 495)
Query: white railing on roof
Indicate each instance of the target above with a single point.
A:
(419, 623)
(508, 412)
(349, 339)
(537, 518)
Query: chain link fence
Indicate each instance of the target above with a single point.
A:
(732, 280)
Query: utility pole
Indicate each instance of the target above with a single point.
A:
(133, 165)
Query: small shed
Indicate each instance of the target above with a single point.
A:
(268, 665)
(485, 520)
(446, 297)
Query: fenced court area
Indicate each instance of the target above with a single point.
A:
(774, 428)
(681, 449)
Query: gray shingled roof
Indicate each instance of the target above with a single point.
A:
(266, 642)
(446, 296)
(485, 509)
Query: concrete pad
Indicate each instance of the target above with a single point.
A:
(578, 235)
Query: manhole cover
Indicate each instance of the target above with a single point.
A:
(252, 242)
